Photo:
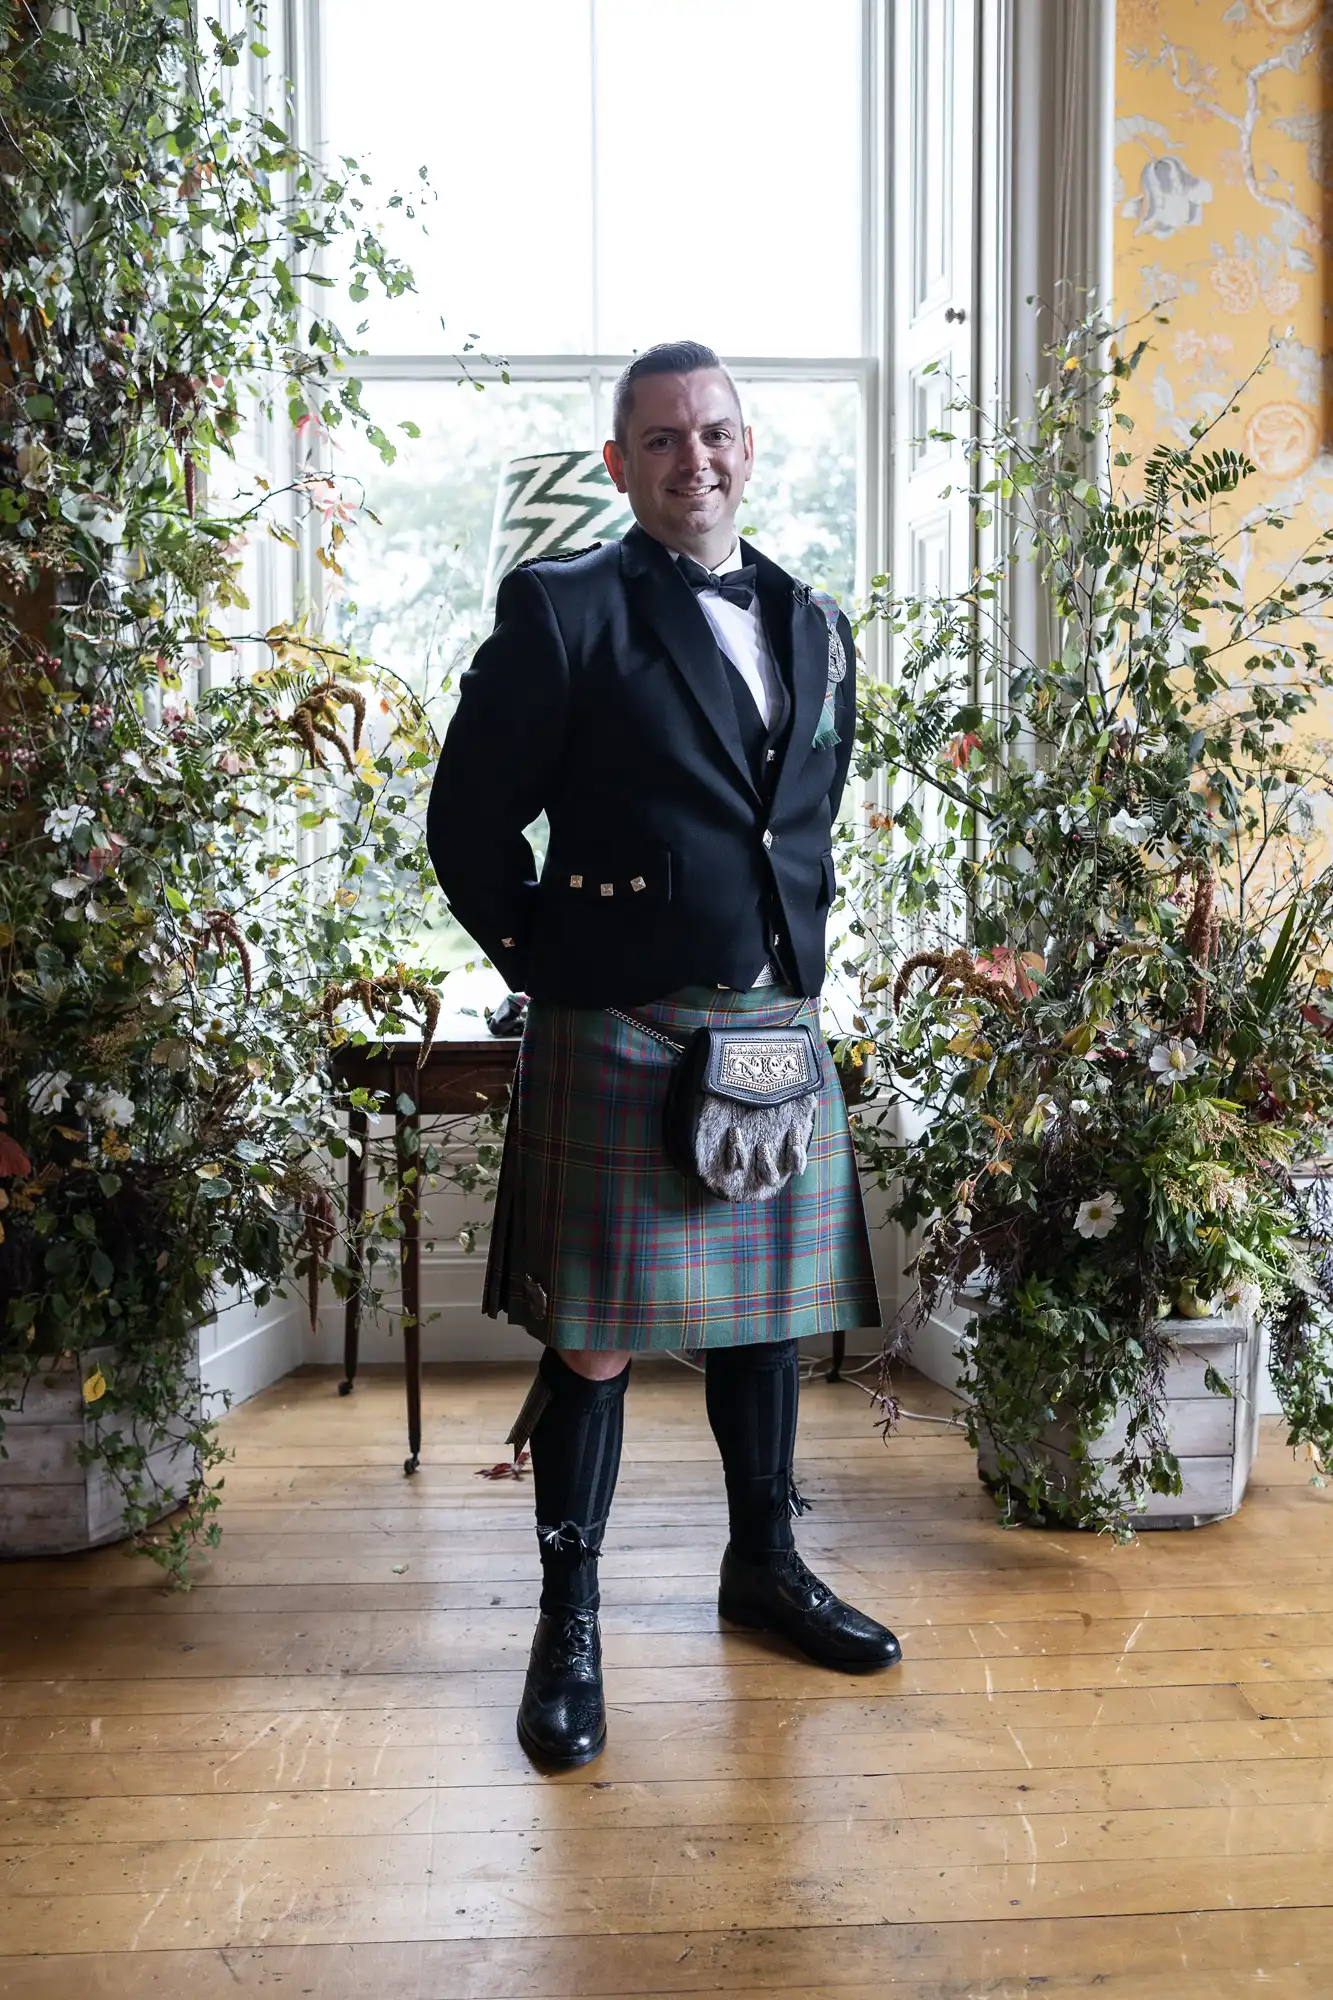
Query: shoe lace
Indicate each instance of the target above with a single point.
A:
(574, 1642)
(800, 1577)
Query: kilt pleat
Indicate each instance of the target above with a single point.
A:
(599, 1242)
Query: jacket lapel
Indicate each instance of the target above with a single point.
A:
(799, 636)
(666, 602)
(774, 592)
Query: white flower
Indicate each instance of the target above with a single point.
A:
(1129, 826)
(1099, 1216)
(1243, 1300)
(62, 821)
(1174, 1060)
(111, 1107)
(47, 1091)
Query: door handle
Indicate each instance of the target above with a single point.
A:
(955, 314)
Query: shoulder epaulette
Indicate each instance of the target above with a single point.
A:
(561, 555)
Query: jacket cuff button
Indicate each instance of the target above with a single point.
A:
(508, 943)
(636, 883)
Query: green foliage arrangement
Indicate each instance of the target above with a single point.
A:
(192, 855)
(1112, 1049)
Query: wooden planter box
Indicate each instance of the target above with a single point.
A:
(1214, 1437)
(50, 1504)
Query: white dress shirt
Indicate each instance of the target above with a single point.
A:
(739, 631)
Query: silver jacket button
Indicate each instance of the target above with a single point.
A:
(768, 838)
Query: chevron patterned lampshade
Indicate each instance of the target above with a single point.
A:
(553, 501)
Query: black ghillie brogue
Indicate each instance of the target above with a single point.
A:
(562, 1716)
(781, 1595)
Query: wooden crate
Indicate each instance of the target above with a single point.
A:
(1215, 1437)
(50, 1504)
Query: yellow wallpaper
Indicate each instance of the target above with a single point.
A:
(1224, 158)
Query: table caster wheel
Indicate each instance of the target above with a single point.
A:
(410, 1464)
(344, 1388)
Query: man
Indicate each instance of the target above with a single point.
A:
(680, 712)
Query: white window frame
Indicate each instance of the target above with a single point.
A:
(866, 369)
(1045, 119)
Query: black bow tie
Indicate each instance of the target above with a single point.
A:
(737, 586)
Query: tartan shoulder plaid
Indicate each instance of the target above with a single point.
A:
(600, 1243)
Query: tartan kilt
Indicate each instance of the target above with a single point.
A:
(599, 1242)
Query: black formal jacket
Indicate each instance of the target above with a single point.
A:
(601, 699)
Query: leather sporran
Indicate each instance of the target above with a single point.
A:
(740, 1106)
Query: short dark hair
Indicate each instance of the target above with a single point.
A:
(669, 357)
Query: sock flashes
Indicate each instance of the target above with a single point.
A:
(575, 1448)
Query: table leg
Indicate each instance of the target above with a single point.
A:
(408, 1125)
(356, 1223)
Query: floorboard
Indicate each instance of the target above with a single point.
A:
(1100, 1771)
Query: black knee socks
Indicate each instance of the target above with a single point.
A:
(575, 1458)
(751, 1395)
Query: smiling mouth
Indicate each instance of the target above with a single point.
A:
(691, 492)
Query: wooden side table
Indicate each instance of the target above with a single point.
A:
(456, 1078)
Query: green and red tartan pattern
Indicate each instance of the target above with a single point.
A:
(600, 1243)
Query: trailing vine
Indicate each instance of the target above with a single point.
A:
(186, 871)
(1112, 1042)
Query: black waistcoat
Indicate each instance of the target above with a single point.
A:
(764, 741)
(764, 744)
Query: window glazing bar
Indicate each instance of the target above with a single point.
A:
(578, 367)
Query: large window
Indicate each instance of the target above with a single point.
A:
(602, 174)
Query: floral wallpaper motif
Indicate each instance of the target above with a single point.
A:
(1224, 157)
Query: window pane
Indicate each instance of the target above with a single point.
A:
(495, 102)
(412, 592)
(728, 156)
(800, 505)
(412, 597)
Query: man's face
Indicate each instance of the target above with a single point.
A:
(684, 461)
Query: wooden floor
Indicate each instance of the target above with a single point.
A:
(1099, 1771)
